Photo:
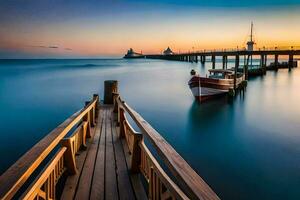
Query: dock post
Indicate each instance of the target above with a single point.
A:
(202, 59)
(291, 61)
(276, 62)
(265, 64)
(224, 61)
(246, 67)
(110, 87)
(262, 61)
(213, 59)
(196, 59)
(237, 62)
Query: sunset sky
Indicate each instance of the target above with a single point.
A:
(95, 28)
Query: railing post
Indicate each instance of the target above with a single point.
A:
(136, 153)
(96, 96)
(84, 130)
(90, 114)
(115, 97)
(121, 119)
(87, 118)
(69, 156)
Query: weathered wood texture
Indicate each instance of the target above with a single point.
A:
(17, 174)
(104, 173)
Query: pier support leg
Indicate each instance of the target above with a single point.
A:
(224, 61)
(291, 61)
(246, 67)
(196, 59)
(202, 59)
(261, 61)
(237, 63)
(265, 64)
(276, 62)
(213, 60)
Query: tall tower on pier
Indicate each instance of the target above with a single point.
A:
(250, 44)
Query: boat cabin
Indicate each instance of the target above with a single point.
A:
(221, 74)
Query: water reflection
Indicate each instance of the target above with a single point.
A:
(246, 147)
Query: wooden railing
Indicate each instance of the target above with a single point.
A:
(161, 186)
(44, 185)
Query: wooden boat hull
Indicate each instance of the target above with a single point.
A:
(206, 88)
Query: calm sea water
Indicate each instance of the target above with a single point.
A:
(246, 148)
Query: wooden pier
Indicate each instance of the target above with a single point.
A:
(263, 53)
(96, 154)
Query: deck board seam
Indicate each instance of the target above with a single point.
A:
(116, 167)
(104, 183)
(82, 169)
(98, 146)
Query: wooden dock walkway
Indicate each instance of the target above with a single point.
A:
(102, 168)
(96, 154)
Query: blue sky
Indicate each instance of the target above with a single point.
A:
(93, 28)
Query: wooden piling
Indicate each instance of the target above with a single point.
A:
(276, 62)
(237, 62)
(213, 60)
(110, 87)
(291, 61)
(224, 61)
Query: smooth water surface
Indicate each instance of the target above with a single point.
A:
(246, 148)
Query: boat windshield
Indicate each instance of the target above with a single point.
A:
(217, 75)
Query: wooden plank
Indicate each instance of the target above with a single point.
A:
(111, 190)
(84, 185)
(72, 181)
(192, 184)
(18, 173)
(97, 190)
(123, 179)
(137, 185)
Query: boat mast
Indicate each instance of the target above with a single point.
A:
(251, 36)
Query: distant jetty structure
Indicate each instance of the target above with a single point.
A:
(132, 54)
(242, 56)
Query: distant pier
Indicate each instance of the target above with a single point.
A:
(224, 54)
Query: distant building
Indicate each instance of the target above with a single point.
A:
(168, 51)
(132, 54)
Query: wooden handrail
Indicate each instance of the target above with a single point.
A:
(12, 180)
(191, 183)
(50, 176)
(155, 189)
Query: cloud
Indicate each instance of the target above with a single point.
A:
(68, 49)
(53, 47)
(45, 47)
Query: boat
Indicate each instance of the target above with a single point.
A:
(218, 83)
(132, 54)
